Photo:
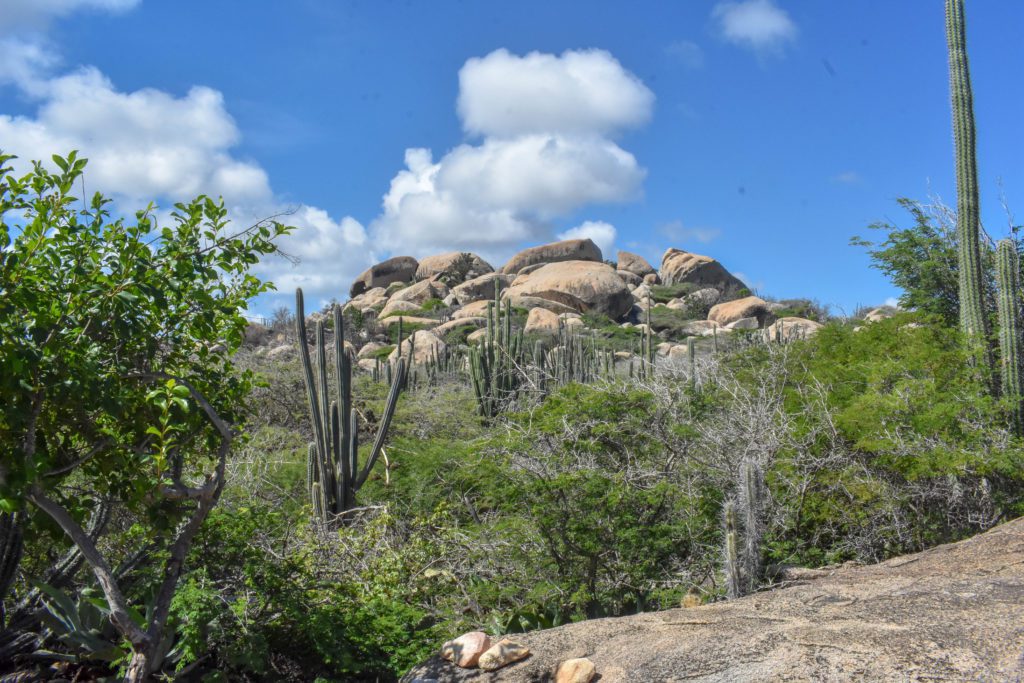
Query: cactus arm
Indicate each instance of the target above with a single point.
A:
(1008, 282)
(385, 423)
(320, 438)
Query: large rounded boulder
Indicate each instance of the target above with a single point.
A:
(748, 307)
(634, 263)
(566, 250)
(480, 287)
(453, 268)
(397, 269)
(678, 266)
(582, 286)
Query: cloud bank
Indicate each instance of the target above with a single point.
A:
(759, 25)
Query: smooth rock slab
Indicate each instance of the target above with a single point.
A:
(951, 613)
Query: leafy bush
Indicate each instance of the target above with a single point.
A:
(662, 294)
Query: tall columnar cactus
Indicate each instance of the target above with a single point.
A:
(751, 502)
(731, 561)
(333, 473)
(1010, 349)
(496, 365)
(972, 307)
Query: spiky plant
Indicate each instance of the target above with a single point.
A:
(496, 364)
(730, 558)
(333, 470)
(1009, 297)
(11, 535)
(972, 307)
(751, 503)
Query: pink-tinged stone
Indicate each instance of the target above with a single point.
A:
(465, 650)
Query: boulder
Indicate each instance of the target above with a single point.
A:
(652, 279)
(480, 287)
(397, 269)
(465, 650)
(578, 670)
(951, 613)
(367, 364)
(566, 250)
(699, 328)
(407, 320)
(702, 299)
(502, 654)
(541, 321)
(369, 349)
(475, 309)
(790, 328)
(682, 266)
(444, 328)
(634, 263)
(880, 313)
(453, 268)
(744, 324)
(421, 291)
(398, 306)
(426, 346)
(371, 298)
(477, 336)
(583, 286)
(747, 307)
(573, 323)
(631, 279)
(531, 302)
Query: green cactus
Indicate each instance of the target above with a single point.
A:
(333, 473)
(973, 321)
(1008, 283)
(731, 568)
(496, 364)
(751, 501)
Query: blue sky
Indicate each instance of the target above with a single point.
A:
(763, 133)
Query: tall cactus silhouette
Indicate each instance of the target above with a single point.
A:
(333, 473)
(972, 306)
(1008, 283)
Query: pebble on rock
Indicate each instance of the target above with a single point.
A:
(580, 670)
(503, 654)
(465, 651)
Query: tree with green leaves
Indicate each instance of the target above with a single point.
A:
(116, 372)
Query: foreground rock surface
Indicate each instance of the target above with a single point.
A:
(950, 613)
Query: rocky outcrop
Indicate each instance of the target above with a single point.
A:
(791, 328)
(952, 613)
(426, 346)
(396, 307)
(421, 292)
(541, 321)
(747, 307)
(634, 263)
(453, 268)
(567, 250)
(682, 266)
(880, 313)
(397, 269)
(583, 286)
(480, 288)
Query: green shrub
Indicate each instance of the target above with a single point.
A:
(662, 294)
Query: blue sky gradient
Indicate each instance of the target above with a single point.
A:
(766, 157)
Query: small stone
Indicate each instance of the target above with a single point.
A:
(503, 654)
(692, 599)
(466, 650)
(580, 670)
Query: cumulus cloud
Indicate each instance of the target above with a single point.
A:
(546, 153)
(581, 91)
(153, 145)
(603, 235)
(757, 24)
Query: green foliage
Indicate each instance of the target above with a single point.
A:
(922, 261)
(662, 294)
(670, 319)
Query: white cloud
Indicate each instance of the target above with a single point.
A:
(892, 301)
(579, 92)
(757, 24)
(545, 155)
(603, 235)
(687, 53)
(153, 145)
(35, 14)
(680, 234)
